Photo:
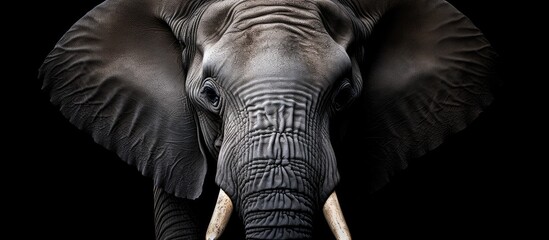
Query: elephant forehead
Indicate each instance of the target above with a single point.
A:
(284, 40)
(276, 59)
(298, 16)
(302, 18)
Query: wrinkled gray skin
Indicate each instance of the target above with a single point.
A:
(264, 80)
(277, 72)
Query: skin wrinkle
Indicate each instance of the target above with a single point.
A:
(261, 159)
(277, 118)
(302, 198)
(246, 13)
(251, 132)
(260, 219)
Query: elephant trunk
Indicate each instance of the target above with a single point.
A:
(278, 194)
(279, 166)
(277, 214)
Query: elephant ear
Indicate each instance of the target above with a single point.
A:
(118, 75)
(427, 73)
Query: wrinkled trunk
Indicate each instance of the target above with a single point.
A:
(277, 221)
(279, 186)
(277, 164)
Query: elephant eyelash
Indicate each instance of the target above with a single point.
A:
(210, 95)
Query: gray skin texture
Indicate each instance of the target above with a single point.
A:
(275, 160)
(266, 91)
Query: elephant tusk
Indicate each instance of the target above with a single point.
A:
(335, 219)
(220, 217)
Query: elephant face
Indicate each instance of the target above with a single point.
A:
(265, 86)
(263, 89)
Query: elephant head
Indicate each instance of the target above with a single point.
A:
(270, 92)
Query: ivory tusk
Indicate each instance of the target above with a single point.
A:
(220, 217)
(335, 219)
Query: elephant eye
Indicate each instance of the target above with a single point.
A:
(344, 95)
(210, 94)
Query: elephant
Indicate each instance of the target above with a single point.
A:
(271, 96)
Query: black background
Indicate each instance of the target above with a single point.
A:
(484, 182)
